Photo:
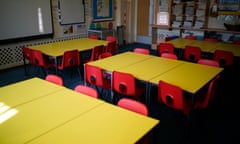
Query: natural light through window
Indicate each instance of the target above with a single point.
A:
(40, 20)
(6, 112)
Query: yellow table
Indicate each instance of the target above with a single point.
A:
(206, 46)
(26, 91)
(191, 77)
(58, 48)
(106, 124)
(119, 61)
(36, 118)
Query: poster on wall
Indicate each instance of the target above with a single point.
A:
(102, 10)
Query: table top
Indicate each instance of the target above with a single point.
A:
(191, 77)
(150, 68)
(108, 124)
(58, 48)
(25, 91)
(66, 111)
(119, 61)
(206, 46)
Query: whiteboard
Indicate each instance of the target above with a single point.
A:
(71, 11)
(25, 18)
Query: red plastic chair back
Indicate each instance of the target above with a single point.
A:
(111, 38)
(93, 37)
(112, 47)
(211, 40)
(70, 58)
(86, 90)
(104, 55)
(94, 75)
(172, 96)
(96, 51)
(39, 59)
(211, 91)
(142, 51)
(225, 58)
(27, 54)
(133, 105)
(165, 48)
(54, 79)
(192, 53)
(169, 55)
(190, 37)
(125, 84)
(208, 62)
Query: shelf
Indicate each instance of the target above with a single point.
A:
(229, 13)
(195, 29)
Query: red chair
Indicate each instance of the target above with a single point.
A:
(137, 107)
(211, 39)
(112, 47)
(142, 51)
(192, 53)
(225, 58)
(96, 51)
(54, 79)
(94, 37)
(237, 42)
(96, 77)
(86, 90)
(125, 84)
(172, 96)
(111, 38)
(104, 55)
(70, 59)
(133, 105)
(202, 101)
(191, 37)
(165, 48)
(169, 55)
(42, 61)
(27, 55)
(208, 62)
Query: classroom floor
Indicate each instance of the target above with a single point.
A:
(218, 124)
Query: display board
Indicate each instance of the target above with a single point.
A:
(71, 11)
(25, 18)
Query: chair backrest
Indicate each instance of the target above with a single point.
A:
(38, 58)
(225, 58)
(191, 37)
(104, 55)
(27, 53)
(70, 58)
(54, 79)
(172, 96)
(93, 75)
(142, 51)
(111, 38)
(133, 105)
(86, 90)
(211, 39)
(169, 55)
(211, 91)
(165, 48)
(192, 53)
(123, 83)
(96, 51)
(209, 62)
(112, 47)
(93, 37)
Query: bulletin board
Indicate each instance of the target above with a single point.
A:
(71, 11)
(102, 10)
